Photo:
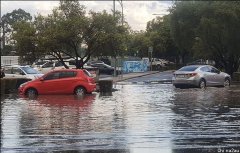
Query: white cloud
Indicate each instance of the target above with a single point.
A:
(137, 13)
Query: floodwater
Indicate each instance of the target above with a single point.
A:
(135, 119)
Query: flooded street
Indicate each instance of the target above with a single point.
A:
(135, 119)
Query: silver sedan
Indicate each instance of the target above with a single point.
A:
(200, 76)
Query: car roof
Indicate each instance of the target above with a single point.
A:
(18, 66)
(197, 65)
(66, 70)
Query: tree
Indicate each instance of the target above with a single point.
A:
(138, 44)
(25, 38)
(7, 22)
(67, 29)
(219, 34)
(105, 36)
(183, 23)
(62, 32)
(159, 33)
(210, 29)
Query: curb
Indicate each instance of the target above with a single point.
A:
(119, 80)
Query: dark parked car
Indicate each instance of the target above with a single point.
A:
(104, 68)
(89, 63)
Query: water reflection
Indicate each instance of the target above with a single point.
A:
(208, 118)
(56, 114)
(135, 118)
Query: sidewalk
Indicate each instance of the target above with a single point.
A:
(129, 76)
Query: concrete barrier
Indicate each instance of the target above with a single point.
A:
(105, 87)
(10, 85)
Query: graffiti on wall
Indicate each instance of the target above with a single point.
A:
(134, 66)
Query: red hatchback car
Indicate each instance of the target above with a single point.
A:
(65, 81)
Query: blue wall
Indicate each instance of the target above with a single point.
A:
(134, 66)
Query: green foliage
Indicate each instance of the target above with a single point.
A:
(208, 30)
(67, 29)
(158, 31)
(105, 36)
(219, 33)
(25, 37)
(138, 44)
(6, 50)
(7, 22)
(184, 21)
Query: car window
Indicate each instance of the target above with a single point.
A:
(58, 64)
(205, 69)
(107, 66)
(188, 68)
(40, 63)
(52, 76)
(48, 64)
(97, 65)
(68, 74)
(8, 70)
(30, 70)
(72, 62)
(17, 71)
(214, 70)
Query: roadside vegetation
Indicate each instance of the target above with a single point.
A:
(192, 30)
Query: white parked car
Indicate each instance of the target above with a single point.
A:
(45, 67)
(21, 72)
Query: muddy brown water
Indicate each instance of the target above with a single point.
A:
(136, 118)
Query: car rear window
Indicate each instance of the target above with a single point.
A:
(87, 73)
(188, 68)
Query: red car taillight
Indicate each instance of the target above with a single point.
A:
(192, 74)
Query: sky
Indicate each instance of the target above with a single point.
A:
(137, 13)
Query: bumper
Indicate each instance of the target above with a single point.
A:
(186, 82)
(91, 88)
(21, 90)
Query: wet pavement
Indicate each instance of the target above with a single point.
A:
(137, 118)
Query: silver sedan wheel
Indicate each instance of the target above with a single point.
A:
(202, 84)
(226, 83)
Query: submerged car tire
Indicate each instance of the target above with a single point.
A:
(226, 82)
(80, 91)
(31, 92)
(202, 84)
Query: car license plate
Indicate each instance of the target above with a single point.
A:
(181, 76)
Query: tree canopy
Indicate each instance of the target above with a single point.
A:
(7, 22)
(208, 30)
(68, 31)
(192, 30)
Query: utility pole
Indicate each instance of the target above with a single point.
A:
(114, 10)
(115, 61)
(121, 61)
(121, 3)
